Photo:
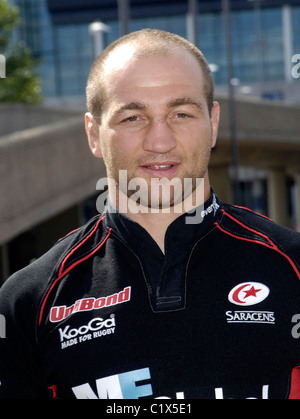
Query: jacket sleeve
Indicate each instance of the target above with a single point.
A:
(20, 362)
(22, 369)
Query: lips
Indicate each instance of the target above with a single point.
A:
(159, 166)
(161, 169)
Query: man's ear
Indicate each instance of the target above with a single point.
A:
(215, 119)
(92, 132)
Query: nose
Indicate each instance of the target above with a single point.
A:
(159, 137)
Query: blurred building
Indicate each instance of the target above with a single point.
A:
(265, 35)
(48, 173)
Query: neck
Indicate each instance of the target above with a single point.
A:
(157, 221)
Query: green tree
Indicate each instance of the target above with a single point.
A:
(22, 83)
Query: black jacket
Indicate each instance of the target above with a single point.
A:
(105, 314)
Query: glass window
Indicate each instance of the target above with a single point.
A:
(212, 43)
(47, 72)
(175, 24)
(257, 44)
(272, 44)
(66, 50)
(296, 29)
(74, 58)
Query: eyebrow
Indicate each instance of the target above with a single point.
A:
(184, 101)
(132, 106)
(141, 106)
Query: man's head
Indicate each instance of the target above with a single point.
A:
(143, 43)
(151, 111)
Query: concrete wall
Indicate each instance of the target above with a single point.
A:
(17, 117)
(261, 121)
(43, 171)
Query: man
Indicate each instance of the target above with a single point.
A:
(154, 298)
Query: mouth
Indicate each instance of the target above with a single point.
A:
(164, 169)
(159, 166)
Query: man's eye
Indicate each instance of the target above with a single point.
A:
(181, 115)
(131, 119)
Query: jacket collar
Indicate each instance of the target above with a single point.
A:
(185, 230)
(165, 272)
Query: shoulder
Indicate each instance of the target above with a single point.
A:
(248, 218)
(28, 285)
(251, 226)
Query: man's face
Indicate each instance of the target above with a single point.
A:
(156, 123)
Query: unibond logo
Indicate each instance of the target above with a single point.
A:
(86, 304)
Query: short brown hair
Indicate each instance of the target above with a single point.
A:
(147, 42)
